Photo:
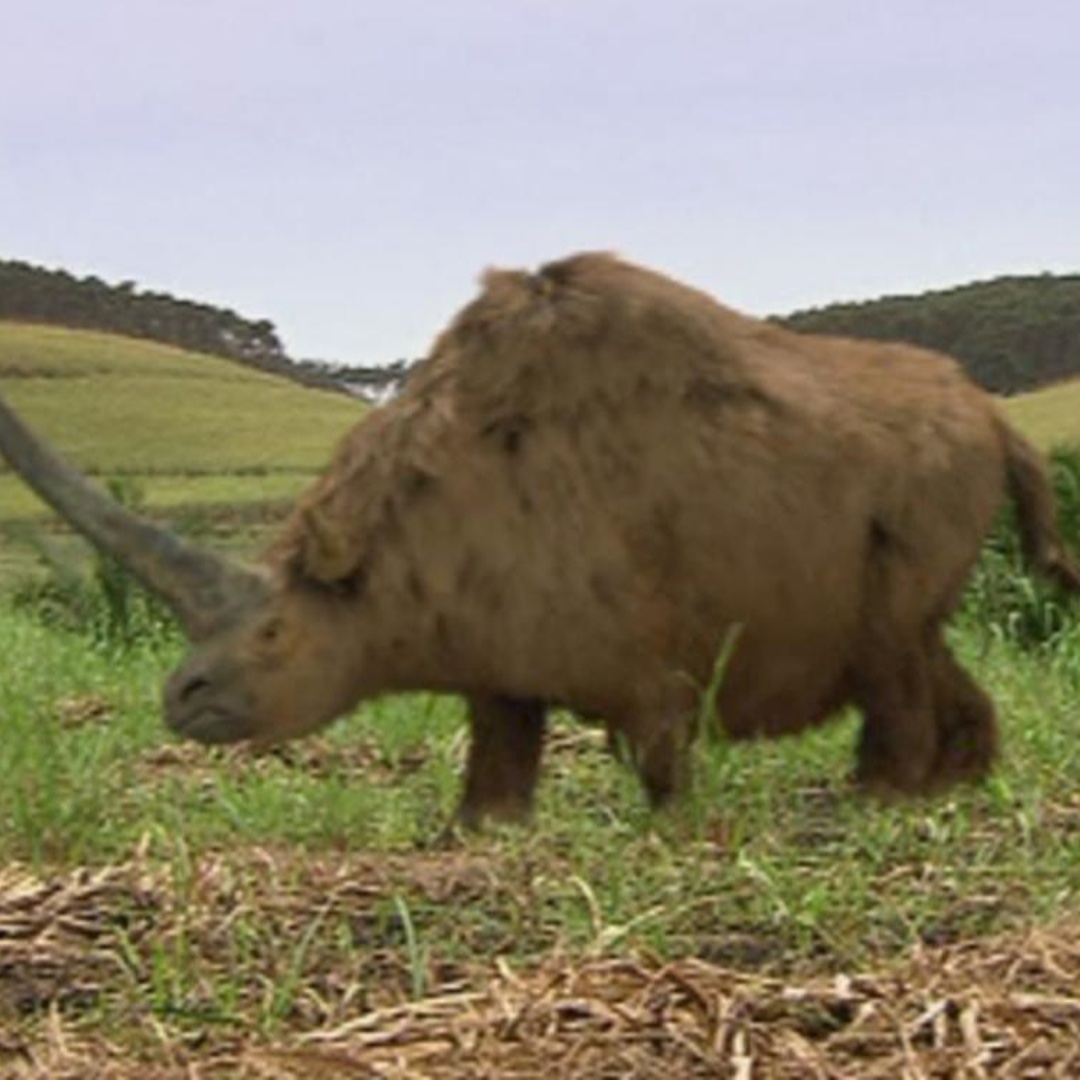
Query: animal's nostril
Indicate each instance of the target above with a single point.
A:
(191, 687)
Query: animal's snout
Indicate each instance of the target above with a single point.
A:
(191, 687)
(198, 708)
(182, 692)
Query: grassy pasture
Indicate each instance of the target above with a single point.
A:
(192, 429)
(169, 911)
(173, 495)
(1050, 416)
(182, 426)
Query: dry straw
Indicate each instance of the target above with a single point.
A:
(1004, 1007)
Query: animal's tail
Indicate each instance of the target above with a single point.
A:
(1036, 511)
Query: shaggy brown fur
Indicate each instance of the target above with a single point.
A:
(596, 476)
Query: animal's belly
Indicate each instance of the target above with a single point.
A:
(781, 691)
(778, 714)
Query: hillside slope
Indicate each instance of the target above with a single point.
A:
(190, 431)
(34, 294)
(1012, 333)
(1049, 416)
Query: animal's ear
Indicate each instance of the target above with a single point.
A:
(326, 554)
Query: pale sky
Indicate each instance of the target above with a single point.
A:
(345, 168)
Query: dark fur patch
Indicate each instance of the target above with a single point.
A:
(880, 537)
(508, 434)
(416, 482)
(712, 395)
(442, 632)
(467, 573)
(414, 583)
(349, 588)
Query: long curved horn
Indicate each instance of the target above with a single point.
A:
(199, 586)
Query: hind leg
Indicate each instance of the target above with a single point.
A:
(504, 759)
(967, 725)
(899, 741)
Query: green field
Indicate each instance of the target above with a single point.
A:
(1050, 416)
(171, 911)
(189, 429)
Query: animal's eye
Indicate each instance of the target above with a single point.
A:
(271, 631)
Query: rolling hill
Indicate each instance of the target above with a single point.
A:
(1050, 416)
(1013, 334)
(189, 431)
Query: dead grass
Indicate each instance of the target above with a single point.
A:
(77, 998)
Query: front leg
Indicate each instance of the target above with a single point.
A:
(504, 759)
(658, 747)
(662, 760)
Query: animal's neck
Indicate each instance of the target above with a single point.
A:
(400, 642)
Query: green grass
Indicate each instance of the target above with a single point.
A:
(775, 860)
(174, 495)
(178, 424)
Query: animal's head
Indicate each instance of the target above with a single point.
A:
(262, 663)
(270, 669)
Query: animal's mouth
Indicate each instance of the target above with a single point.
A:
(211, 725)
(198, 706)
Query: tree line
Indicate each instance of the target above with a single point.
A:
(1011, 333)
(33, 294)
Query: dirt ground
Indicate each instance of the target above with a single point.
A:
(77, 993)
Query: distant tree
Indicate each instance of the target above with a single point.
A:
(31, 293)
(1011, 334)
